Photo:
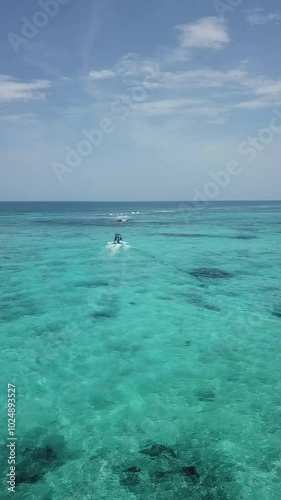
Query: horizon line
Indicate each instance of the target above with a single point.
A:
(138, 201)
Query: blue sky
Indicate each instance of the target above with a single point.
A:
(169, 91)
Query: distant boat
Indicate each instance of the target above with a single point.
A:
(122, 219)
(117, 239)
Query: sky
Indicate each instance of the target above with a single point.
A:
(129, 100)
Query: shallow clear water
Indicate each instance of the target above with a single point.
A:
(172, 340)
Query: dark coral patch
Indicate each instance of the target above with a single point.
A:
(15, 311)
(243, 237)
(277, 312)
(28, 478)
(91, 284)
(159, 450)
(206, 395)
(103, 314)
(191, 472)
(33, 464)
(160, 476)
(133, 470)
(130, 481)
(211, 273)
(211, 308)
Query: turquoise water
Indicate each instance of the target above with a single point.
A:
(148, 372)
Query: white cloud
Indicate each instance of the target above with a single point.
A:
(76, 110)
(128, 67)
(206, 92)
(104, 74)
(230, 81)
(132, 65)
(26, 117)
(167, 107)
(206, 33)
(202, 78)
(253, 105)
(259, 17)
(272, 88)
(213, 94)
(11, 89)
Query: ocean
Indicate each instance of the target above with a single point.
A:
(149, 370)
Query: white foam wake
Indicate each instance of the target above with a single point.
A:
(115, 247)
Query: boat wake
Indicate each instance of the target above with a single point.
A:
(116, 247)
